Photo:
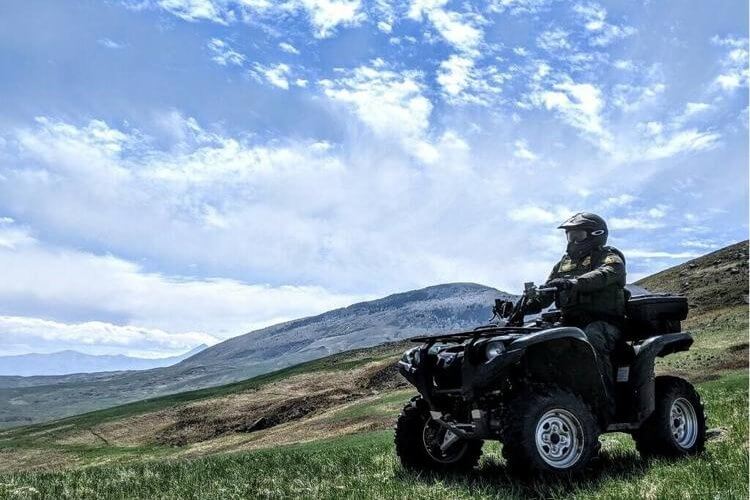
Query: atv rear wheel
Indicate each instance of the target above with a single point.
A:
(677, 427)
(549, 432)
(423, 444)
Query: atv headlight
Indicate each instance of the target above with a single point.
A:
(412, 356)
(494, 349)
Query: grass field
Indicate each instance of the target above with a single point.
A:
(364, 466)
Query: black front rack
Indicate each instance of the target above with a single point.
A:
(484, 331)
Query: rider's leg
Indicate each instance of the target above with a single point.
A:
(603, 337)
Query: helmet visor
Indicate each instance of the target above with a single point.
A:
(575, 235)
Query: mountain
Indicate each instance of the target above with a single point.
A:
(433, 310)
(67, 362)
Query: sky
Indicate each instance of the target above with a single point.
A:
(178, 172)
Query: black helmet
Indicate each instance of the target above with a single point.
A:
(586, 231)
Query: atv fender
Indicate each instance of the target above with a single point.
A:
(558, 356)
(642, 369)
(564, 357)
(563, 332)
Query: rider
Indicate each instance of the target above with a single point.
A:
(590, 279)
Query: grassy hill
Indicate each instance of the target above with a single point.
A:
(320, 429)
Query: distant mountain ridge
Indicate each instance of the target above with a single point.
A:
(433, 310)
(70, 362)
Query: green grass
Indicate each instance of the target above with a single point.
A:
(720, 343)
(364, 466)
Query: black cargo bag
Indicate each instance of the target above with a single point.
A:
(654, 314)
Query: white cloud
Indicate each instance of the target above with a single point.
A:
(95, 337)
(631, 98)
(620, 223)
(110, 44)
(651, 254)
(158, 312)
(602, 32)
(288, 48)
(735, 71)
(554, 40)
(390, 103)
(694, 108)
(223, 54)
(620, 200)
(198, 10)
(275, 74)
(700, 244)
(537, 215)
(517, 7)
(682, 141)
(523, 152)
(304, 211)
(463, 82)
(459, 30)
(454, 74)
(580, 105)
(327, 15)
(658, 212)
(624, 64)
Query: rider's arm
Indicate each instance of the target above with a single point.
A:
(612, 270)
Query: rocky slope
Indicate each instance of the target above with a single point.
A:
(714, 281)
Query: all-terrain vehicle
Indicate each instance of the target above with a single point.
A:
(536, 387)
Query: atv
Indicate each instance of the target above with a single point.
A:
(536, 387)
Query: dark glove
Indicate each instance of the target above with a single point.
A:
(562, 283)
(532, 307)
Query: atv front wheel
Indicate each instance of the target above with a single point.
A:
(677, 427)
(549, 432)
(423, 444)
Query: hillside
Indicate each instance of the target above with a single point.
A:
(353, 392)
(432, 310)
(714, 281)
(69, 362)
(716, 286)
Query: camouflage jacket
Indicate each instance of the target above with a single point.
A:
(600, 291)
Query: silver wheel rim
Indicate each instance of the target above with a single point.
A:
(434, 435)
(683, 423)
(559, 438)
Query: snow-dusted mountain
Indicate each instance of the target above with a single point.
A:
(68, 362)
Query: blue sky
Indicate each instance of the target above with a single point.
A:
(175, 172)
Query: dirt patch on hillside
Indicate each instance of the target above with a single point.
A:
(193, 426)
(321, 425)
(292, 399)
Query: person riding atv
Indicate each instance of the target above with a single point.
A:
(548, 386)
(590, 279)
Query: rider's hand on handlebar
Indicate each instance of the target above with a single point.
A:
(562, 283)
